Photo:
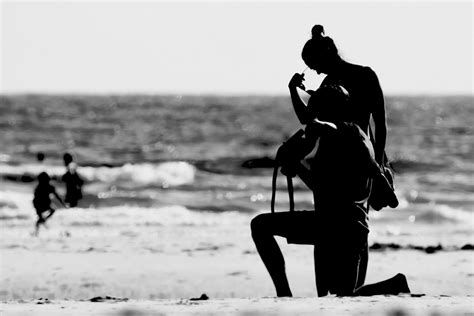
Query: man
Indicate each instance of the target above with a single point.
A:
(340, 178)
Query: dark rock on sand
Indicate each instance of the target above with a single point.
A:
(203, 297)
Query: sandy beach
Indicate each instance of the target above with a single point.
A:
(160, 281)
(80, 276)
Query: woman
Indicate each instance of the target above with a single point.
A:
(338, 115)
(366, 97)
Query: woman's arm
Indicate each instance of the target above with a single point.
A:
(379, 117)
(299, 105)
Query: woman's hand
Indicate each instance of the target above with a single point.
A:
(297, 81)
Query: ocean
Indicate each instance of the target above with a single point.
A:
(156, 164)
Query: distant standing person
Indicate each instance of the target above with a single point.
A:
(42, 199)
(72, 180)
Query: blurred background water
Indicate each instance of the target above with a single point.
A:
(159, 161)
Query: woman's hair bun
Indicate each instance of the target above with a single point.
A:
(317, 31)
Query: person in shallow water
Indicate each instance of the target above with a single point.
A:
(42, 200)
(340, 178)
(73, 181)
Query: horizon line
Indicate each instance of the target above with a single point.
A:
(212, 94)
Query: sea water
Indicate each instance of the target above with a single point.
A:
(173, 165)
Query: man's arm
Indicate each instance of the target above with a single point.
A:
(313, 131)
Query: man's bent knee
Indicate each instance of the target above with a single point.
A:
(257, 225)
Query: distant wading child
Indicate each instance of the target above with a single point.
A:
(42, 199)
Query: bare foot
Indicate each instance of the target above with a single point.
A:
(401, 283)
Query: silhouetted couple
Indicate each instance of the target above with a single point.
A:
(337, 124)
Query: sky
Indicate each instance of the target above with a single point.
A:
(245, 47)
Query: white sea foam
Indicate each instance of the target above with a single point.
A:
(31, 169)
(17, 207)
(166, 174)
(170, 173)
(452, 214)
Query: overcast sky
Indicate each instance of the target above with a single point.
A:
(229, 47)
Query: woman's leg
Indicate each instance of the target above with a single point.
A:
(264, 228)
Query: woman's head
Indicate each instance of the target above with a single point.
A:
(320, 52)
